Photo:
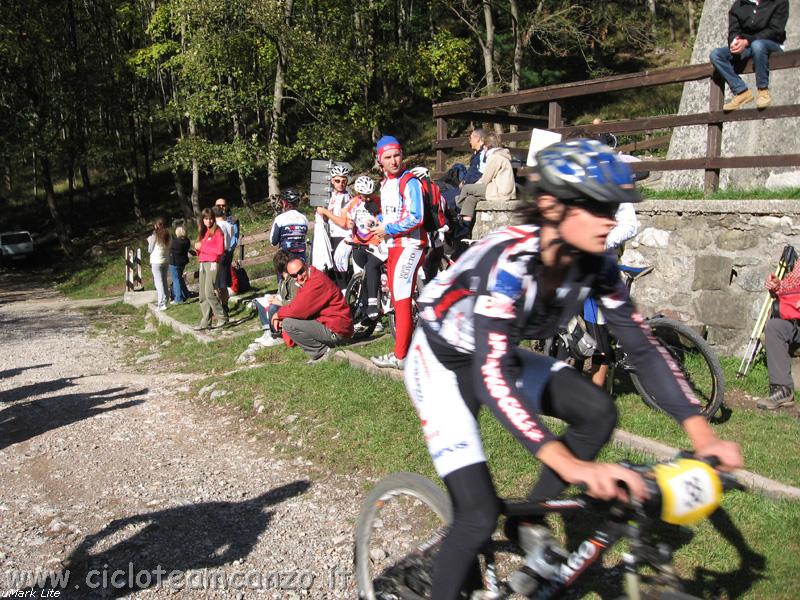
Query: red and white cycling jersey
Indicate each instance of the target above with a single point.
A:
(403, 216)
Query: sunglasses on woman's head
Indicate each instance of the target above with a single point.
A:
(299, 272)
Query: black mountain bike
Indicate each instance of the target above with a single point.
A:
(362, 326)
(405, 517)
(697, 361)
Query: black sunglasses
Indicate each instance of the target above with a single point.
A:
(300, 272)
(598, 209)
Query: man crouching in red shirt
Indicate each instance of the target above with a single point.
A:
(318, 318)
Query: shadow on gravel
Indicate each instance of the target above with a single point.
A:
(145, 549)
(26, 420)
(17, 370)
(40, 388)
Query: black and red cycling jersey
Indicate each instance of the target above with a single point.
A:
(477, 311)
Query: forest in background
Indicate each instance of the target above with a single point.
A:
(141, 96)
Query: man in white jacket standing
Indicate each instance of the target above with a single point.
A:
(496, 183)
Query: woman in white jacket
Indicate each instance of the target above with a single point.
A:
(158, 246)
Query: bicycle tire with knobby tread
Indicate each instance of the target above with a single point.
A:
(352, 295)
(712, 404)
(410, 484)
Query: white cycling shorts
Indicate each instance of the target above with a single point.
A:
(451, 432)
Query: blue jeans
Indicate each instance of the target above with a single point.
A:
(179, 290)
(265, 316)
(726, 63)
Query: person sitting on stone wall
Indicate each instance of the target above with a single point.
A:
(496, 184)
(781, 338)
(756, 29)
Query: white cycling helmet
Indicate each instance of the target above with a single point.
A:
(364, 185)
(420, 172)
(339, 171)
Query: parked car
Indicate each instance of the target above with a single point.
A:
(15, 245)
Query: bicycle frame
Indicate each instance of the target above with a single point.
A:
(592, 549)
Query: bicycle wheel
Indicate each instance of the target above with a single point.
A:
(400, 528)
(362, 326)
(697, 361)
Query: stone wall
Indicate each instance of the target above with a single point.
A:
(746, 138)
(711, 259)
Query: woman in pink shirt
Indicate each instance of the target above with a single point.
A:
(210, 246)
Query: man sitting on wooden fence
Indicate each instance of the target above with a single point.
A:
(756, 29)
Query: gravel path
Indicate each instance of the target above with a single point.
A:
(115, 478)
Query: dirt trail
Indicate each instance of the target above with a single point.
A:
(110, 476)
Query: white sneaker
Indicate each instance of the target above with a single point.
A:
(162, 308)
(388, 361)
(378, 327)
(268, 340)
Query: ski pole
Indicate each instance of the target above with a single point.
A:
(788, 257)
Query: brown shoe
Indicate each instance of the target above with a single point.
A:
(762, 98)
(779, 396)
(738, 100)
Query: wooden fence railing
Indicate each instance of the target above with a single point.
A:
(245, 240)
(484, 109)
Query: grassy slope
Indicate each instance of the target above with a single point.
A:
(370, 427)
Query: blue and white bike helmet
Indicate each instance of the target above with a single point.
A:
(583, 170)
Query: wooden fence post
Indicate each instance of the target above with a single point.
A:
(716, 95)
(441, 134)
(554, 119)
(128, 282)
(138, 280)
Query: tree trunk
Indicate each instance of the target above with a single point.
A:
(690, 11)
(488, 54)
(61, 229)
(237, 132)
(180, 192)
(79, 104)
(134, 176)
(35, 176)
(517, 64)
(71, 186)
(195, 175)
(8, 181)
(274, 187)
(87, 183)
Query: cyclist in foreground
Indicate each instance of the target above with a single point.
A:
(523, 282)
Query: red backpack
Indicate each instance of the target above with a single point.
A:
(433, 215)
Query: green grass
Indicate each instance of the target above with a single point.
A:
(346, 420)
(100, 278)
(731, 194)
